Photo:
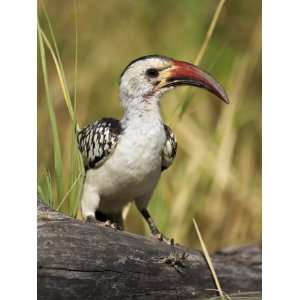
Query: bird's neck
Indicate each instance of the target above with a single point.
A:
(143, 131)
(143, 110)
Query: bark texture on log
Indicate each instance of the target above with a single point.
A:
(84, 261)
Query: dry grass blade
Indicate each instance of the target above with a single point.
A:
(241, 296)
(209, 32)
(209, 262)
(201, 53)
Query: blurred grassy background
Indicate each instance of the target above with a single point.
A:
(216, 177)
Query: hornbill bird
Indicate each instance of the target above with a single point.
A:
(124, 158)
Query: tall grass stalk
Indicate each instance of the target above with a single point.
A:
(75, 158)
(209, 262)
(69, 192)
(53, 121)
(188, 94)
(58, 63)
(209, 32)
(75, 174)
(45, 188)
(61, 76)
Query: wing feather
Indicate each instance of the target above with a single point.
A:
(170, 148)
(98, 140)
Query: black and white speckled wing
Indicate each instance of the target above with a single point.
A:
(98, 140)
(169, 151)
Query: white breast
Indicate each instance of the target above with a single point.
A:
(134, 168)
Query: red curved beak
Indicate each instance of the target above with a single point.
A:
(183, 73)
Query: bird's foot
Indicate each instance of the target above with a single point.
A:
(108, 223)
(113, 225)
(161, 237)
(175, 259)
(93, 220)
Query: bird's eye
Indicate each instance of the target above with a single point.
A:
(152, 72)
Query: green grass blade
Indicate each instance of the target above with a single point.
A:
(75, 166)
(60, 76)
(54, 42)
(51, 31)
(59, 65)
(80, 186)
(41, 193)
(44, 189)
(49, 189)
(53, 121)
(71, 198)
(76, 55)
(69, 191)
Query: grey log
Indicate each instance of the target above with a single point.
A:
(84, 261)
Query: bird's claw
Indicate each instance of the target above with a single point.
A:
(175, 259)
(159, 236)
(112, 225)
(93, 220)
(107, 223)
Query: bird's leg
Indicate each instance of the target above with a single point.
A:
(107, 223)
(153, 228)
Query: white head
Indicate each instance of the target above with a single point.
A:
(147, 78)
